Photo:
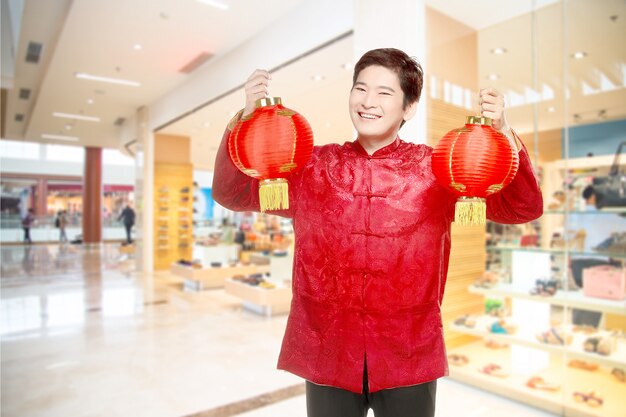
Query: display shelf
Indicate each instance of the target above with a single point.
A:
(198, 279)
(514, 386)
(259, 258)
(606, 210)
(216, 253)
(616, 255)
(262, 301)
(574, 350)
(127, 249)
(572, 299)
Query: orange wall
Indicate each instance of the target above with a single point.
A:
(172, 149)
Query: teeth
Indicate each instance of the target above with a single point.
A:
(369, 116)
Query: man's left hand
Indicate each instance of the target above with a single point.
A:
(491, 103)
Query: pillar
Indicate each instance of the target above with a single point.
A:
(41, 199)
(92, 196)
(399, 24)
(144, 192)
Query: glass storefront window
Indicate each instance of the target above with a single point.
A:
(541, 324)
(115, 157)
(65, 153)
(18, 149)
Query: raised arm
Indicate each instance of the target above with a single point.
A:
(232, 188)
(521, 201)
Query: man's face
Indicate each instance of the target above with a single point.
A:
(376, 104)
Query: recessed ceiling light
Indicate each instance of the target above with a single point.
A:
(328, 124)
(137, 47)
(215, 3)
(579, 55)
(68, 127)
(206, 124)
(499, 51)
(76, 117)
(551, 109)
(91, 77)
(346, 66)
(59, 137)
(317, 77)
(89, 101)
(493, 77)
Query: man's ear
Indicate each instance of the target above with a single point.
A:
(410, 111)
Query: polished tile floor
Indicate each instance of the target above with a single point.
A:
(84, 335)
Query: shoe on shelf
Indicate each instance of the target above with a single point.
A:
(591, 398)
(580, 364)
(492, 344)
(501, 327)
(619, 374)
(458, 360)
(555, 336)
(494, 370)
(537, 382)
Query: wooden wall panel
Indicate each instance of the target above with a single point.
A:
(172, 149)
(467, 262)
(173, 214)
(442, 117)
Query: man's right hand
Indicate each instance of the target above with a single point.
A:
(257, 87)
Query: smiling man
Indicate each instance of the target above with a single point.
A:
(372, 244)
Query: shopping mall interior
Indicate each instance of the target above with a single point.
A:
(127, 289)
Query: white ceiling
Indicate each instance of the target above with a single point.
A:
(98, 37)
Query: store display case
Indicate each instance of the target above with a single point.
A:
(202, 278)
(551, 332)
(173, 209)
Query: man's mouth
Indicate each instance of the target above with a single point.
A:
(369, 116)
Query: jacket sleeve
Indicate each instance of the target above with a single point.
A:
(521, 201)
(232, 188)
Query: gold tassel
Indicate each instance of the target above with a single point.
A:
(470, 211)
(274, 194)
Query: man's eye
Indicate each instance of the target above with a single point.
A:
(360, 89)
(385, 93)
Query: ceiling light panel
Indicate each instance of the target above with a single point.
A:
(59, 137)
(85, 76)
(76, 117)
(215, 3)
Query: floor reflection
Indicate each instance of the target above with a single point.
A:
(48, 287)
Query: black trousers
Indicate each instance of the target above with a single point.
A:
(128, 227)
(27, 238)
(412, 401)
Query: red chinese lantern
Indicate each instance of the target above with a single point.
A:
(269, 144)
(474, 161)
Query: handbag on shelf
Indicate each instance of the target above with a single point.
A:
(611, 190)
(605, 281)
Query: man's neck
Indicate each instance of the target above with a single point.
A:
(372, 145)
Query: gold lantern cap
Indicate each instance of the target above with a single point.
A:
(478, 120)
(268, 101)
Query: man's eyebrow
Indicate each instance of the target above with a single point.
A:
(382, 87)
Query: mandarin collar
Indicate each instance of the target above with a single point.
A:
(384, 152)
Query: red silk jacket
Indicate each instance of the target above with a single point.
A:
(372, 244)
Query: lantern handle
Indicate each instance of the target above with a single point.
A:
(267, 101)
(478, 120)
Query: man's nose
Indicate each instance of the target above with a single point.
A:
(370, 100)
